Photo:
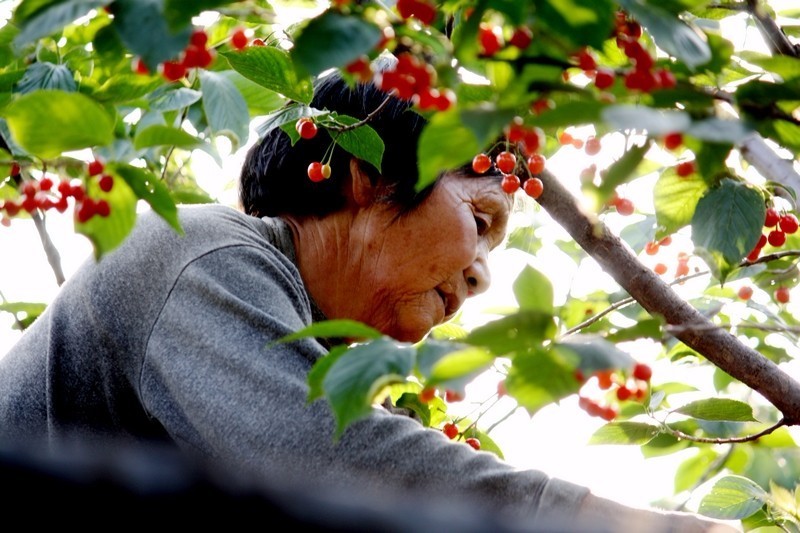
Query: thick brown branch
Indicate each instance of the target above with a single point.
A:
(777, 41)
(720, 347)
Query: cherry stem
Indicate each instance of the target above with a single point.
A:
(365, 120)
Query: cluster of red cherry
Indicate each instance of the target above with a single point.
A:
(632, 388)
(778, 225)
(195, 55)
(411, 78)
(642, 76)
(44, 194)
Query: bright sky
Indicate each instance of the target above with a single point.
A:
(554, 440)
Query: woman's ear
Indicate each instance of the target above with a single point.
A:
(363, 190)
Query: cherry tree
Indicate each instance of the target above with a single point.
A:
(652, 93)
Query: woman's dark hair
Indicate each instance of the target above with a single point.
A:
(274, 178)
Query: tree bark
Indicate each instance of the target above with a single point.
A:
(717, 345)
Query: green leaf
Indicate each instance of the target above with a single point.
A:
(486, 122)
(445, 144)
(271, 68)
(52, 18)
(584, 22)
(524, 238)
(260, 100)
(727, 224)
(717, 130)
(340, 328)
(572, 113)
(363, 142)
(333, 40)
(179, 13)
(320, 369)
(539, 377)
(718, 409)
(533, 291)
(624, 433)
(123, 88)
(643, 329)
(48, 122)
(358, 375)
(675, 199)
(159, 135)
(30, 310)
(225, 107)
(46, 75)
(656, 122)
(733, 498)
(671, 34)
(524, 329)
(289, 113)
(168, 98)
(466, 362)
(595, 353)
(623, 168)
(144, 31)
(150, 189)
(106, 233)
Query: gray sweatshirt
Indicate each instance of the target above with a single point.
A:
(166, 339)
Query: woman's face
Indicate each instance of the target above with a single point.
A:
(417, 268)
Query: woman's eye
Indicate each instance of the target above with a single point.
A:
(482, 225)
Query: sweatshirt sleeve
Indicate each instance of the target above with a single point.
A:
(214, 380)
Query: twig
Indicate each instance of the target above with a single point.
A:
(53, 257)
(365, 120)
(726, 440)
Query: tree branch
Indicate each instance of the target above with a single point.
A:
(725, 440)
(53, 257)
(777, 41)
(720, 347)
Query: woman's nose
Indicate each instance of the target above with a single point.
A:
(477, 274)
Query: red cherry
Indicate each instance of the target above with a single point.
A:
(199, 38)
(173, 70)
(666, 241)
(453, 396)
(536, 163)
(481, 163)
(506, 162)
(95, 168)
(585, 60)
(592, 146)
(772, 217)
(652, 247)
(604, 378)
(45, 184)
(604, 78)
(685, 168)
(106, 183)
(673, 140)
(776, 238)
(642, 371)
(623, 393)
(102, 208)
(625, 207)
(427, 394)
(489, 38)
(782, 295)
(239, 39)
(521, 38)
(789, 223)
(315, 172)
(451, 430)
(475, 443)
(660, 269)
(510, 183)
(608, 413)
(306, 128)
(139, 66)
(745, 292)
(533, 187)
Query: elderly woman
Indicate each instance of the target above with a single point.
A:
(168, 338)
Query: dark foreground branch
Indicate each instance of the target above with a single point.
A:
(654, 295)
